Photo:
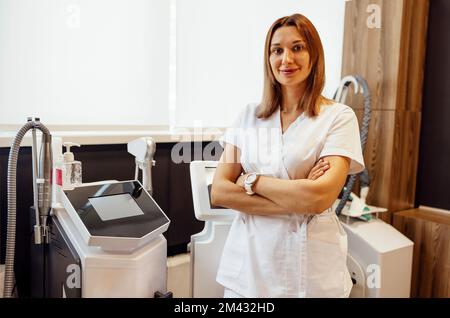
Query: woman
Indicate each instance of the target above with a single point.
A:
(286, 240)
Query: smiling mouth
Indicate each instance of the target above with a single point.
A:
(289, 71)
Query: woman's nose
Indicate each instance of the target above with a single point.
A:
(287, 57)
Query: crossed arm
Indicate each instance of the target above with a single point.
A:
(277, 196)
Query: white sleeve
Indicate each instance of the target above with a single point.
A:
(233, 133)
(343, 139)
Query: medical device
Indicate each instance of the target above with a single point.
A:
(379, 259)
(206, 247)
(100, 239)
(109, 232)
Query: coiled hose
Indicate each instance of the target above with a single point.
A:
(364, 134)
(11, 225)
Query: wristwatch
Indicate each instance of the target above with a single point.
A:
(249, 181)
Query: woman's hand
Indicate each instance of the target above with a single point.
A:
(240, 180)
(319, 169)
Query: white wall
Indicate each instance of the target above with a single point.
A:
(106, 62)
(220, 52)
(84, 62)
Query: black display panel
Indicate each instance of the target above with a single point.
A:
(135, 218)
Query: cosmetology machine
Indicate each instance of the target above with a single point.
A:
(379, 257)
(206, 247)
(102, 239)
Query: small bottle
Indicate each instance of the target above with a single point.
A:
(71, 168)
(57, 171)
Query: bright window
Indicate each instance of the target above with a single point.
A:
(144, 62)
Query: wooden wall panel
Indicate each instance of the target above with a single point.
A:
(404, 162)
(412, 60)
(380, 137)
(391, 59)
(373, 53)
(430, 233)
(392, 34)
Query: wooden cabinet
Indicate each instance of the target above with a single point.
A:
(430, 232)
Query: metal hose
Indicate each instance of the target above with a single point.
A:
(11, 190)
(364, 134)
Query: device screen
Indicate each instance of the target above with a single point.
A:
(113, 207)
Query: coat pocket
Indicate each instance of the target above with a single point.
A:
(233, 256)
(326, 259)
(326, 270)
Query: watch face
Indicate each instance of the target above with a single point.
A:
(251, 178)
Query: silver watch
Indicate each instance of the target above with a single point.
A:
(249, 181)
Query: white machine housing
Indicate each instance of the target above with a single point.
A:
(118, 275)
(116, 268)
(206, 247)
(384, 256)
(374, 248)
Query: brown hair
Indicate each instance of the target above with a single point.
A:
(312, 98)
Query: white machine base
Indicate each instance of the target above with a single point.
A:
(207, 245)
(139, 274)
(380, 259)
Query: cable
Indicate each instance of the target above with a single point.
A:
(9, 284)
(364, 134)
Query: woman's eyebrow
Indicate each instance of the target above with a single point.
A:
(295, 42)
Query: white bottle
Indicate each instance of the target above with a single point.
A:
(70, 168)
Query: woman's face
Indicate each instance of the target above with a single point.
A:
(289, 57)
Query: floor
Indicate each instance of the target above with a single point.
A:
(178, 275)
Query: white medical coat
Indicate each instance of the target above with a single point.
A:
(290, 255)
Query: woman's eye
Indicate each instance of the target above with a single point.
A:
(277, 51)
(298, 48)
